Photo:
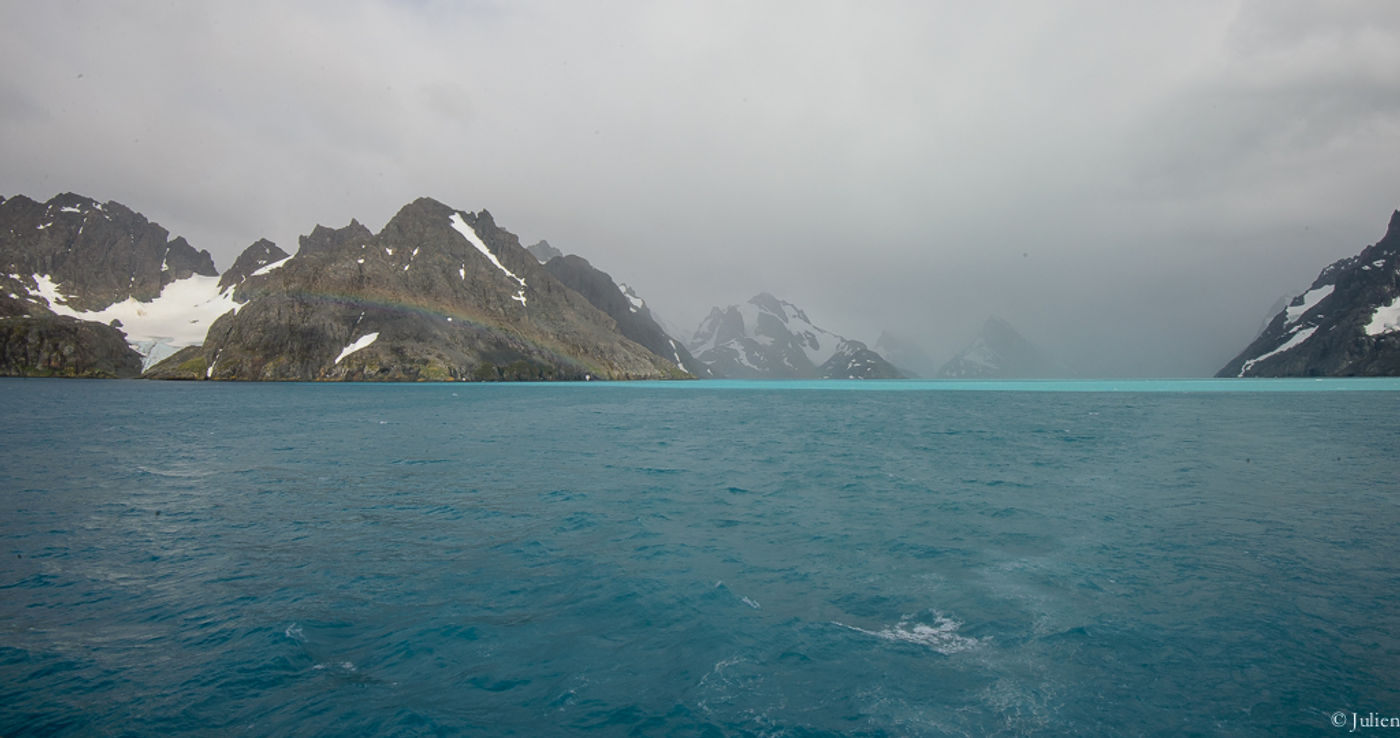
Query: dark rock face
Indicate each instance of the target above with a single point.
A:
(1347, 323)
(438, 294)
(999, 352)
(769, 338)
(97, 254)
(52, 346)
(630, 312)
(255, 257)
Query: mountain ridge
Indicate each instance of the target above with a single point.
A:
(1347, 323)
(770, 338)
(437, 294)
(350, 304)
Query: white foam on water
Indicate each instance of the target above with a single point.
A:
(941, 635)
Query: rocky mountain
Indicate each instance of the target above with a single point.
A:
(999, 352)
(256, 260)
(906, 355)
(543, 251)
(768, 338)
(97, 253)
(437, 294)
(75, 258)
(1347, 323)
(621, 303)
(94, 289)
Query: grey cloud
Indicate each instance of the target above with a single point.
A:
(1130, 185)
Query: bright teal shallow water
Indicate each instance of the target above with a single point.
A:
(1207, 557)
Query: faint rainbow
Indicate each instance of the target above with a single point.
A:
(438, 309)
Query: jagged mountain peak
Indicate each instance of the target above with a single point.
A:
(323, 239)
(544, 252)
(98, 254)
(258, 256)
(1346, 323)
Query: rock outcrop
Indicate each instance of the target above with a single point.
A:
(1347, 323)
(56, 346)
(621, 303)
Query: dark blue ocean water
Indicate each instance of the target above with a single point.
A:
(699, 559)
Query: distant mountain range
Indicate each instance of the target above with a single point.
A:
(768, 338)
(91, 289)
(1347, 323)
(999, 352)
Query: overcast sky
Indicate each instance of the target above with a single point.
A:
(1131, 185)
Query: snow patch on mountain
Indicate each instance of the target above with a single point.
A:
(356, 345)
(180, 316)
(269, 268)
(635, 303)
(1306, 301)
(1386, 319)
(461, 226)
(1297, 339)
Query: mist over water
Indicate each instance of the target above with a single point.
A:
(697, 558)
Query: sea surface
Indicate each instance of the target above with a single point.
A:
(699, 558)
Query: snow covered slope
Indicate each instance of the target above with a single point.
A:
(179, 316)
